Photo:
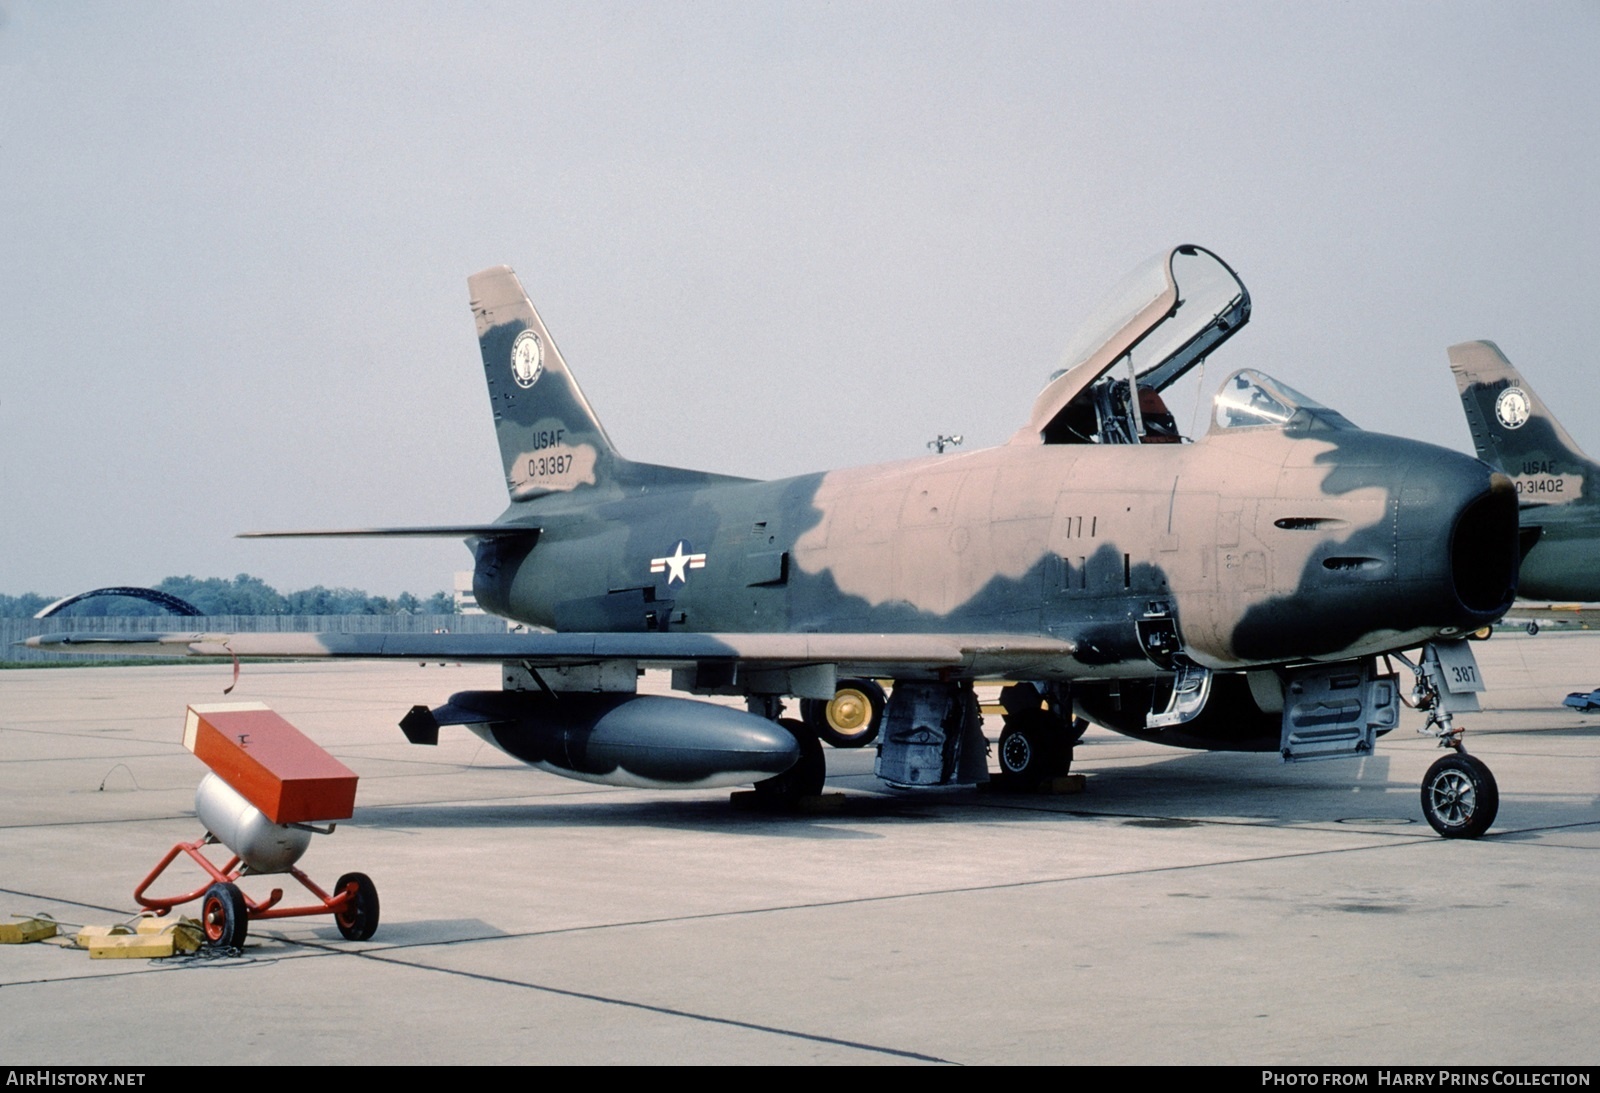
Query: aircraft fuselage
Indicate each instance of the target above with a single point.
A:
(1248, 547)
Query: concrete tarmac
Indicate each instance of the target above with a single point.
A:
(1187, 908)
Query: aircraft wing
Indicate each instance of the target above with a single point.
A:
(859, 654)
(1582, 614)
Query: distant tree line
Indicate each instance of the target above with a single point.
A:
(244, 595)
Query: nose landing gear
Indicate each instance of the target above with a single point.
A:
(1459, 796)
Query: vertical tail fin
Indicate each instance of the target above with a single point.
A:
(1514, 431)
(550, 439)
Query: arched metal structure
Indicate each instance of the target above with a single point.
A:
(161, 599)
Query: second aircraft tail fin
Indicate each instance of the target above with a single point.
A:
(1515, 432)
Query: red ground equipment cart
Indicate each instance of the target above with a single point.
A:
(269, 788)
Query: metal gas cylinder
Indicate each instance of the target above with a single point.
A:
(264, 846)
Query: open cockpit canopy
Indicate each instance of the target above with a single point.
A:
(1163, 319)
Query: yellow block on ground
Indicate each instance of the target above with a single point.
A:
(87, 935)
(29, 929)
(1064, 783)
(132, 946)
(184, 931)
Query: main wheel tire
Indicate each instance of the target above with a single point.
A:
(1459, 797)
(224, 916)
(1024, 754)
(359, 920)
(806, 777)
(851, 719)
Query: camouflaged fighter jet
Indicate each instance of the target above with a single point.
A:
(1228, 591)
(1515, 433)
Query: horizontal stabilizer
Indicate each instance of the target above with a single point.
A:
(446, 531)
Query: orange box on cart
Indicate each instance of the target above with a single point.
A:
(272, 764)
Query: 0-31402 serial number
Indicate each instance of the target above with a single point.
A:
(1540, 485)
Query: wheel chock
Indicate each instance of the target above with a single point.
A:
(132, 947)
(90, 935)
(1060, 785)
(186, 933)
(821, 803)
(28, 929)
(150, 939)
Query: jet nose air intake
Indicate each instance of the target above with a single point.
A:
(1458, 530)
(1483, 550)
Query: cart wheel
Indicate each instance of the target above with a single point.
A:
(359, 920)
(224, 916)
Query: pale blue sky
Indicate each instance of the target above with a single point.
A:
(769, 238)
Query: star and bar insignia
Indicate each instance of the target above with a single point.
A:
(676, 563)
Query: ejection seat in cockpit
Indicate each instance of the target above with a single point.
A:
(1160, 427)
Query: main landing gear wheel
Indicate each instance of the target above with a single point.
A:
(1027, 754)
(851, 718)
(1459, 796)
(805, 778)
(224, 916)
(359, 920)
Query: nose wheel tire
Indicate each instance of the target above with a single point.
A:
(851, 718)
(359, 920)
(1459, 797)
(224, 916)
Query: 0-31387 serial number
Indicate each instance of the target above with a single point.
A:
(544, 466)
